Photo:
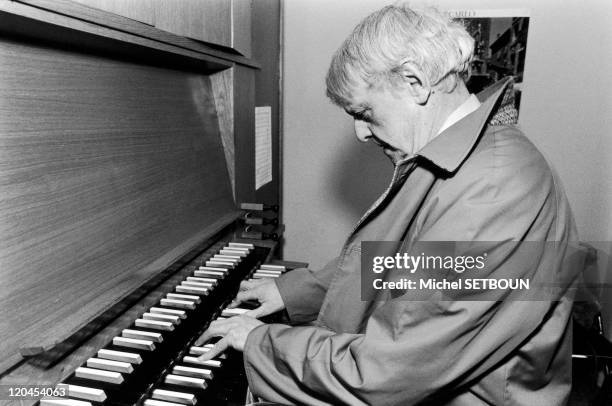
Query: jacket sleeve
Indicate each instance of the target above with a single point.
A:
(414, 351)
(303, 291)
(408, 353)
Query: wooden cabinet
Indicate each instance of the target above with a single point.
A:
(242, 12)
(220, 22)
(139, 10)
(149, 120)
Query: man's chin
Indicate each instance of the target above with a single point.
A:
(394, 155)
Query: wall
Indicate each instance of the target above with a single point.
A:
(330, 178)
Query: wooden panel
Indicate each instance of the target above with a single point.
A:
(241, 26)
(139, 10)
(22, 20)
(58, 19)
(223, 88)
(244, 133)
(266, 48)
(107, 167)
(208, 21)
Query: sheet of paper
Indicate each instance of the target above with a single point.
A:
(263, 146)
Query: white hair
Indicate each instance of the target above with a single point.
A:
(378, 47)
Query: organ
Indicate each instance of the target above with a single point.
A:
(124, 150)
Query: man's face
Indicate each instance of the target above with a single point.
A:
(387, 116)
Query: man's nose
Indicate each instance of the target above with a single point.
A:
(362, 131)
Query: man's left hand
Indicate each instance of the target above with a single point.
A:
(234, 331)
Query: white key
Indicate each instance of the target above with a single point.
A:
(197, 284)
(194, 372)
(153, 402)
(99, 375)
(213, 363)
(108, 365)
(161, 310)
(271, 267)
(258, 275)
(173, 396)
(178, 296)
(233, 257)
(181, 304)
(269, 271)
(82, 392)
(146, 345)
(154, 324)
(63, 402)
(240, 253)
(198, 350)
(163, 317)
(241, 245)
(202, 280)
(236, 247)
(234, 312)
(192, 289)
(267, 274)
(208, 274)
(202, 350)
(235, 251)
(225, 258)
(210, 363)
(142, 335)
(185, 381)
(224, 261)
(219, 264)
(214, 269)
(120, 356)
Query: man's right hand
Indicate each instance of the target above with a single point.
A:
(262, 290)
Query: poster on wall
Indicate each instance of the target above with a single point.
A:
(500, 47)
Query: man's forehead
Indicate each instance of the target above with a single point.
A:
(362, 97)
(358, 100)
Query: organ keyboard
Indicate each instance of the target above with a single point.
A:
(153, 362)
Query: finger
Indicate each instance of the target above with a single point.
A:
(252, 283)
(201, 340)
(258, 312)
(217, 328)
(219, 347)
(246, 285)
(244, 296)
(233, 304)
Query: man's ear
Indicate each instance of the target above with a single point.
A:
(415, 81)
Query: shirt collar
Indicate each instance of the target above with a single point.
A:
(468, 106)
(450, 148)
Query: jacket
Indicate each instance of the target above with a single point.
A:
(479, 180)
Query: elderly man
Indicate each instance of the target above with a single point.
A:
(463, 172)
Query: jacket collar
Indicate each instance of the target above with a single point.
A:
(451, 147)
